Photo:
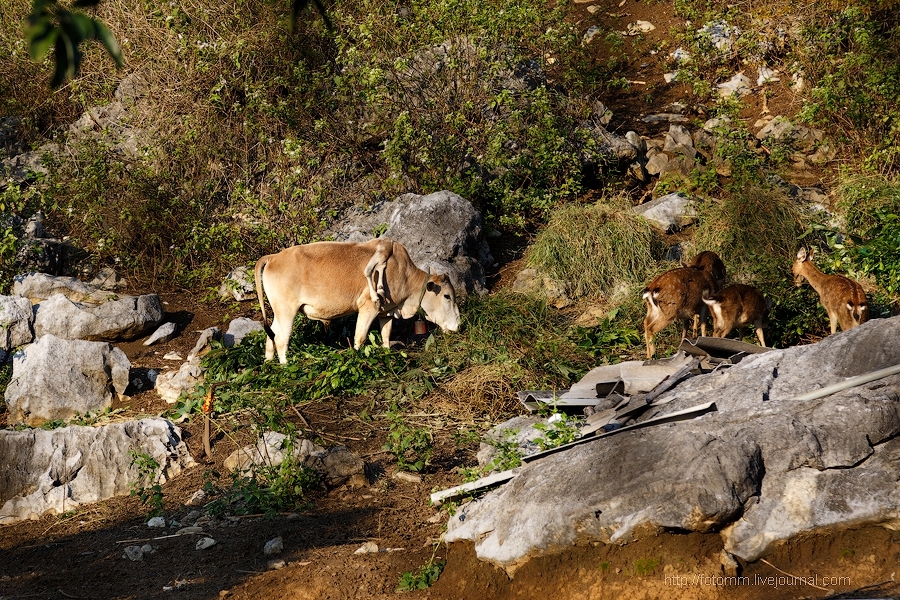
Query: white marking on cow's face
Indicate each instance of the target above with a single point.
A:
(439, 304)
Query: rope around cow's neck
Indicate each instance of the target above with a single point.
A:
(419, 310)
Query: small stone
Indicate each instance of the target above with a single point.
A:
(156, 522)
(274, 546)
(133, 553)
(197, 499)
(367, 548)
(274, 565)
(204, 543)
(189, 530)
(147, 549)
(163, 333)
(408, 477)
(172, 356)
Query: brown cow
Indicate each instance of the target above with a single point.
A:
(327, 280)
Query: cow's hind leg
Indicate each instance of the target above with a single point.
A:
(282, 323)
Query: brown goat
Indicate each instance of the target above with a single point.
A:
(844, 299)
(676, 294)
(736, 306)
(710, 263)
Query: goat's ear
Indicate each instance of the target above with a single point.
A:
(801, 254)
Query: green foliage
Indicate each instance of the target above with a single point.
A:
(269, 489)
(53, 25)
(422, 579)
(611, 338)
(516, 341)
(147, 487)
(411, 446)
(852, 58)
(594, 248)
(556, 433)
(5, 378)
(314, 371)
(747, 224)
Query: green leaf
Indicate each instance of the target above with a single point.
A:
(40, 37)
(109, 42)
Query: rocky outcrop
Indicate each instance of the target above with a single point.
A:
(16, 319)
(764, 468)
(56, 379)
(127, 318)
(59, 470)
(442, 232)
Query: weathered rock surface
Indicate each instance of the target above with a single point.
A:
(238, 329)
(442, 231)
(762, 469)
(126, 318)
(56, 471)
(171, 384)
(38, 287)
(55, 378)
(336, 465)
(16, 319)
(670, 212)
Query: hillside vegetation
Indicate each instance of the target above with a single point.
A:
(257, 137)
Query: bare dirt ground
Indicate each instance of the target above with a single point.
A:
(80, 554)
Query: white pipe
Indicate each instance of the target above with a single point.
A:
(849, 383)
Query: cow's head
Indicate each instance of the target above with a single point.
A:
(439, 303)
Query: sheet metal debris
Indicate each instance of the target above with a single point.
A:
(613, 397)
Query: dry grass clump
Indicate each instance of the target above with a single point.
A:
(481, 391)
(759, 222)
(594, 248)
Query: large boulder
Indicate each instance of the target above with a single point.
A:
(442, 232)
(127, 317)
(56, 471)
(766, 467)
(57, 379)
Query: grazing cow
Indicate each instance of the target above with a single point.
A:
(327, 280)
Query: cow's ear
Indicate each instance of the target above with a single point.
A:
(433, 287)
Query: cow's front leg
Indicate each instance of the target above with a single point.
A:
(387, 324)
(364, 320)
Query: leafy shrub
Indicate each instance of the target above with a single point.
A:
(411, 446)
(851, 55)
(422, 579)
(269, 489)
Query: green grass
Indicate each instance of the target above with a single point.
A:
(596, 248)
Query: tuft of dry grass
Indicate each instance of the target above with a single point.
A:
(595, 248)
(479, 392)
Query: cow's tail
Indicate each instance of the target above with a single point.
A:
(258, 272)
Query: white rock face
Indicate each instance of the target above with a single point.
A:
(59, 470)
(171, 384)
(764, 468)
(16, 317)
(57, 379)
(127, 318)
